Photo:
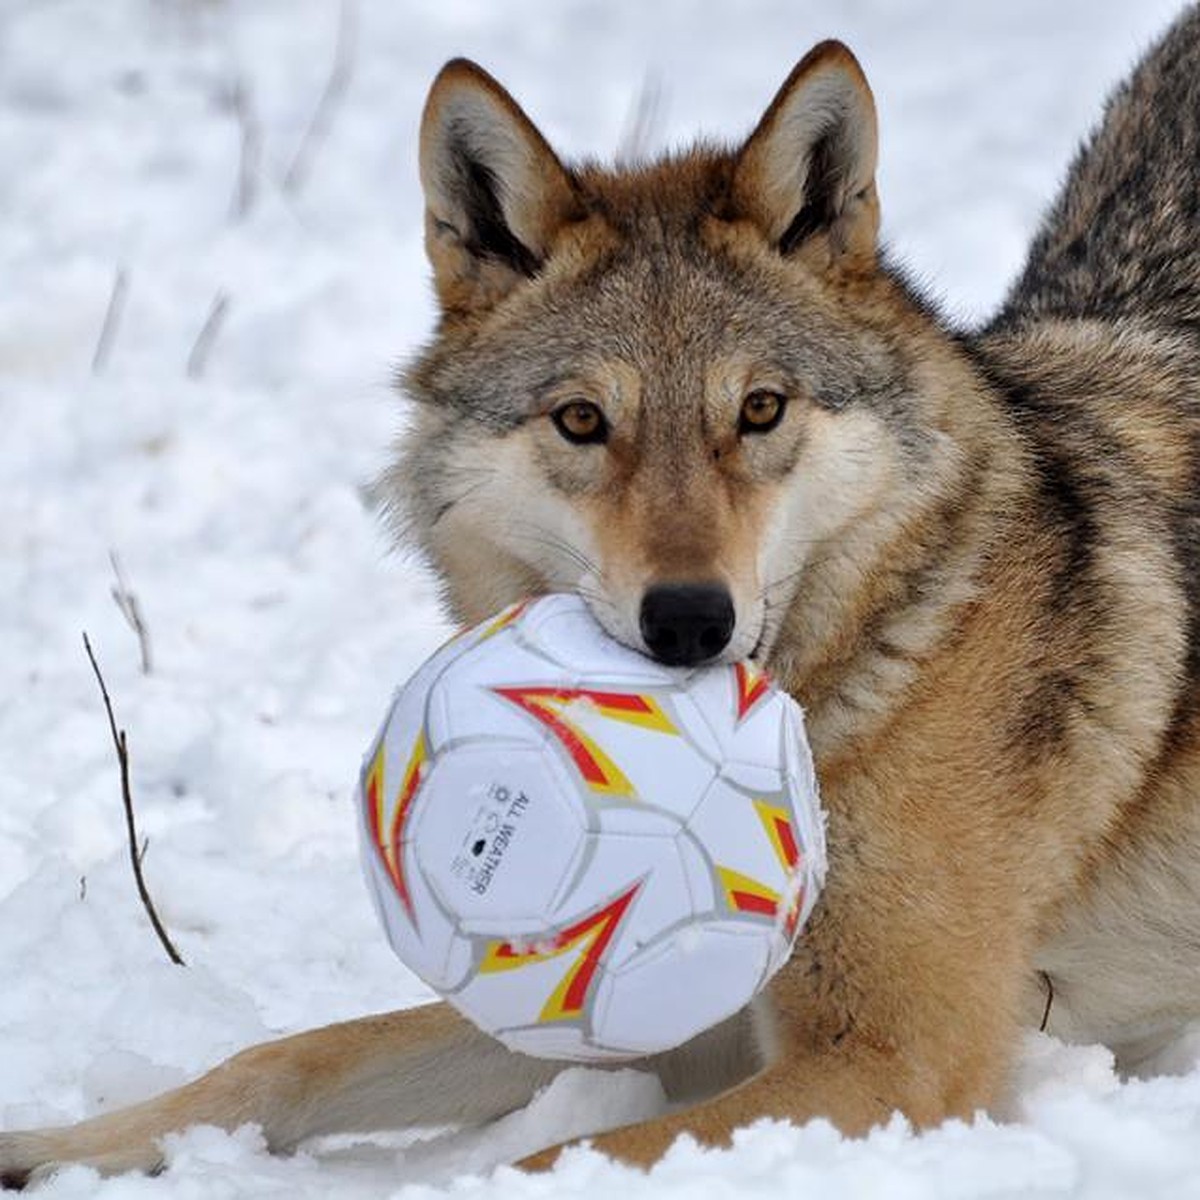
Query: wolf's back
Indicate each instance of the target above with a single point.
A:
(1123, 238)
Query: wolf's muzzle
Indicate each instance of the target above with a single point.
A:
(686, 623)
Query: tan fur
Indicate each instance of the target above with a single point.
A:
(971, 557)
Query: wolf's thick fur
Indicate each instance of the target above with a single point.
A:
(973, 557)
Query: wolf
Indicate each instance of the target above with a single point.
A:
(697, 392)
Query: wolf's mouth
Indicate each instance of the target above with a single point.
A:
(758, 645)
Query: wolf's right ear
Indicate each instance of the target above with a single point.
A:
(495, 193)
(806, 175)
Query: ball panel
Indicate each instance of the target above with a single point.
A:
(750, 842)
(801, 775)
(651, 867)
(497, 832)
(515, 999)
(760, 776)
(392, 768)
(610, 817)
(754, 751)
(739, 707)
(466, 701)
(389, 785)
(459, 965)
(410, 707)
(562, 629)
(547, 981)
(686, 983)
(628, 746)
(617, 743)
(423, 940)
(694, 727)
(699, 873)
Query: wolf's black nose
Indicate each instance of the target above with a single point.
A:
(686, 623)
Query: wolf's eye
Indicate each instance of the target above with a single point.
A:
(581, 422)
(761, 411)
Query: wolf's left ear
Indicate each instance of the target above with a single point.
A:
(495, 193)
(806, 175)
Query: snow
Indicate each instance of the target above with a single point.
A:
(280, 620)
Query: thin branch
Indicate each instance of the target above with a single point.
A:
(643, 124)
(112, 320)
(202, 347)
(1049, 1001)
(335, 89)
(118, 736)
(242, 102)
(131, 610)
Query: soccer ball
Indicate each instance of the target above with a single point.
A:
(589, 854)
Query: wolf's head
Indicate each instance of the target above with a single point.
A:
(686, 390)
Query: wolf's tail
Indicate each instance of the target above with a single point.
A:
(1123, 238)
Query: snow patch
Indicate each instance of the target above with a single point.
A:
(281, 622)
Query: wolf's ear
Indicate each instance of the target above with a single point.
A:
(495, 194)
(806, 175)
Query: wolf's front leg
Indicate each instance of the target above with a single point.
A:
(416, 1068)
(854, 1096)
(921, 1025)
(420, 1067)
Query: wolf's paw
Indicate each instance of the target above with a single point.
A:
(20, 1155)
(29, 1158)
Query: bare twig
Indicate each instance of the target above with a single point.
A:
(1049, 1001)
(242, 102)
(335, 89)
(644, 123)
(112, 320)
(118, 736)
(131, 610)
(202, 347)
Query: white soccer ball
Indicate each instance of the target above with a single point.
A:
(590, 854)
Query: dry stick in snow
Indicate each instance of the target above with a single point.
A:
(335, 88)
(198, 359)
(118, 736)
(1049, 1001)
(644, 123)
(112, 319)
(131, 610)
(242, 103)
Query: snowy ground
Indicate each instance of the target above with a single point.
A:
(280, 623)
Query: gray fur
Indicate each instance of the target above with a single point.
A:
(1123, 238)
